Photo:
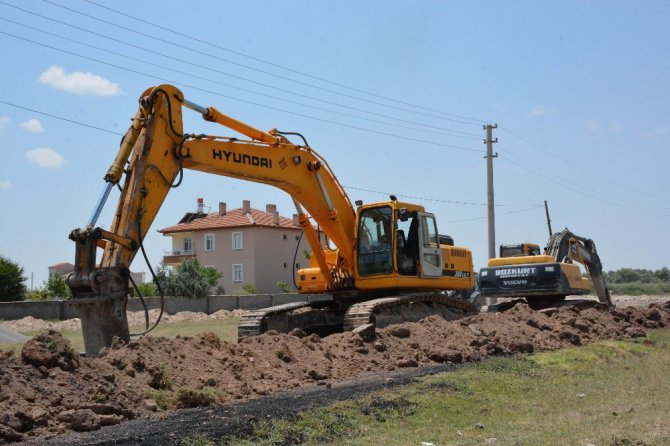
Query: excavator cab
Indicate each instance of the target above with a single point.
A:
(399, 239)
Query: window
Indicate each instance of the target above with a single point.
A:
(430, 238)
(188, 245)
(285, 237)
(237, 240)
(238, 272)
(209, 242)
(374, 241)
(297, 266)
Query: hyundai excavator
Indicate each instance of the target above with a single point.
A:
(387, 265)
(545, 279)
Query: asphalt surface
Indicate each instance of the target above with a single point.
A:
(9, 336)
(237, 418)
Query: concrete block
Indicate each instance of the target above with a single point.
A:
(177, 304)
(217, 303)
(254, 302)
(279, 299)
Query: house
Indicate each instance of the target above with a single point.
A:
(247, 245)
(60, 269)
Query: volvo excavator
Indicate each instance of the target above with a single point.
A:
(388, 263)
(545, 279)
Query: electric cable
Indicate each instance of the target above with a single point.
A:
(278, 109)
(268, 73)
(452, 132)
(577, 166)
(275, 65)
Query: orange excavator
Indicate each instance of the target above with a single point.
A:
(388, 264)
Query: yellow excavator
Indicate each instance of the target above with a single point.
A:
(388, 263)
(548, 278)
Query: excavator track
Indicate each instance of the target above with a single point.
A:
(255, 322)
(388, 310)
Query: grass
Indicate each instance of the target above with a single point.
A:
(639, 288)
(607, 393)
(225, 329)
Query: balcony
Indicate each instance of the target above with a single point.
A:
(176, 257)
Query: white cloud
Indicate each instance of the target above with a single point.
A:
(6, 185)
(661, 131)
(78, 82)
(45, 157)
(538, 111)
(4, 120)
(602, 128)
(33, 125)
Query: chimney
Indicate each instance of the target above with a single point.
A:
(272, 209)
(201, 205)
(246, 206)
(296, 222)
(222, 208)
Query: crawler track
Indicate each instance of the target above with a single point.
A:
(336, 318)
(388, 310)
(256, 322)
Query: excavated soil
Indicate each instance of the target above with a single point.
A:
(47, 390)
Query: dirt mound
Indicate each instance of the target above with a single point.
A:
(47, 391)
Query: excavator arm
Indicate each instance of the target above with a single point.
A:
(153, 154)
(565, 245)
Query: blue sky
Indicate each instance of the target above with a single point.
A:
(393, 94)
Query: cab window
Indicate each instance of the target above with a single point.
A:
(374, 241)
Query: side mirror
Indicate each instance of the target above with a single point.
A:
(403, 215)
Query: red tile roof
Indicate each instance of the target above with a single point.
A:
(234, 218)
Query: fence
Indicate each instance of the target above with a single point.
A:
(66, 309)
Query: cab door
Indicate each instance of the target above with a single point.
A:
(430, 256)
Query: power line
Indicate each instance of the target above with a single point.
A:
(504, 213)
(616, 199)
(573, 164)
(577, 190)
(72, 121)
(438, 200)
(193, 87)
(61, 118)
(275, 65)
(289, 79)
(452, 132)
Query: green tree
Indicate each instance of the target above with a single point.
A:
(54, 288)
(189, 279)
(12, 287)
(57, 288)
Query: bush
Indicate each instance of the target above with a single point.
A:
(635, 275)
(147, 289)
(188, 280)
(249, 288)
(12, 287)
(640, 288)
(284, 286)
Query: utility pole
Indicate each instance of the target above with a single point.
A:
(546, 209)
(489, 186)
